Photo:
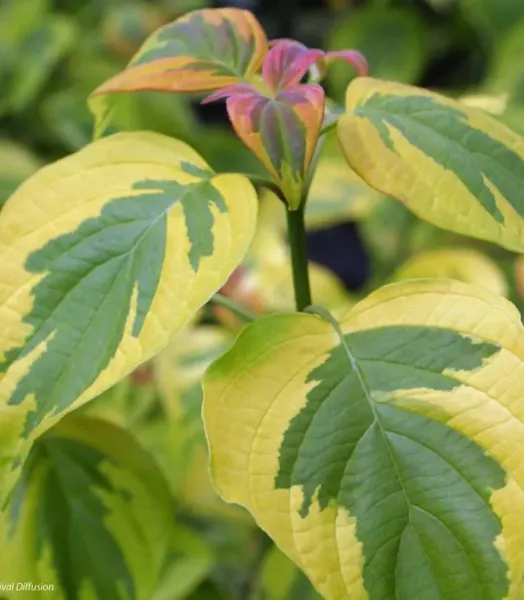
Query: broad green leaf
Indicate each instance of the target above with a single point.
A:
(493, 19)
(282, 580)
(385, 458)
(393, 41)
(463, 264)
(90, 515)
(201, 51)
(104, 255)
(16, 164)
(454, 166)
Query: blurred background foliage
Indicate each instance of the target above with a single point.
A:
(53, 53)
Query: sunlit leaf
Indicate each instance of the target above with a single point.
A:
(104, 255)
(384, 458)
(91, 515)
(455, 166)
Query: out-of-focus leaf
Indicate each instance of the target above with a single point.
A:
(463, 264)
(36, 58)
(338, 194)
(506, 73)
(16, 164)
(18, 18)
(394, 42)
(283, 580)
(493, 19)
(386, 231)
(126, 26)
(91, 515)
(264, 282)
(178, 372)
(189, 562)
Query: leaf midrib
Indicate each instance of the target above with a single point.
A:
(126, 255)
(377, 420)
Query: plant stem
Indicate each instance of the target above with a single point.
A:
(299, 263)
(234, 307)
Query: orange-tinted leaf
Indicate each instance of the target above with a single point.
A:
(281, 131)
(202, 51)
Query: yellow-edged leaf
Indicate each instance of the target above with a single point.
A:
(385, 457)
(463, 264)
(103, 256)
(452, 165)
(90, 518)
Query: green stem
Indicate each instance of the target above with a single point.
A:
(299, 262)
(234, 307)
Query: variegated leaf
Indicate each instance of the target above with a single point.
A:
(201, 51)
(90, 518)
(282, 131)
(384, 457)
(453, 165)
(103, 256)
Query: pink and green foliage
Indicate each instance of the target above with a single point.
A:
(273, 112)
(278, 117)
